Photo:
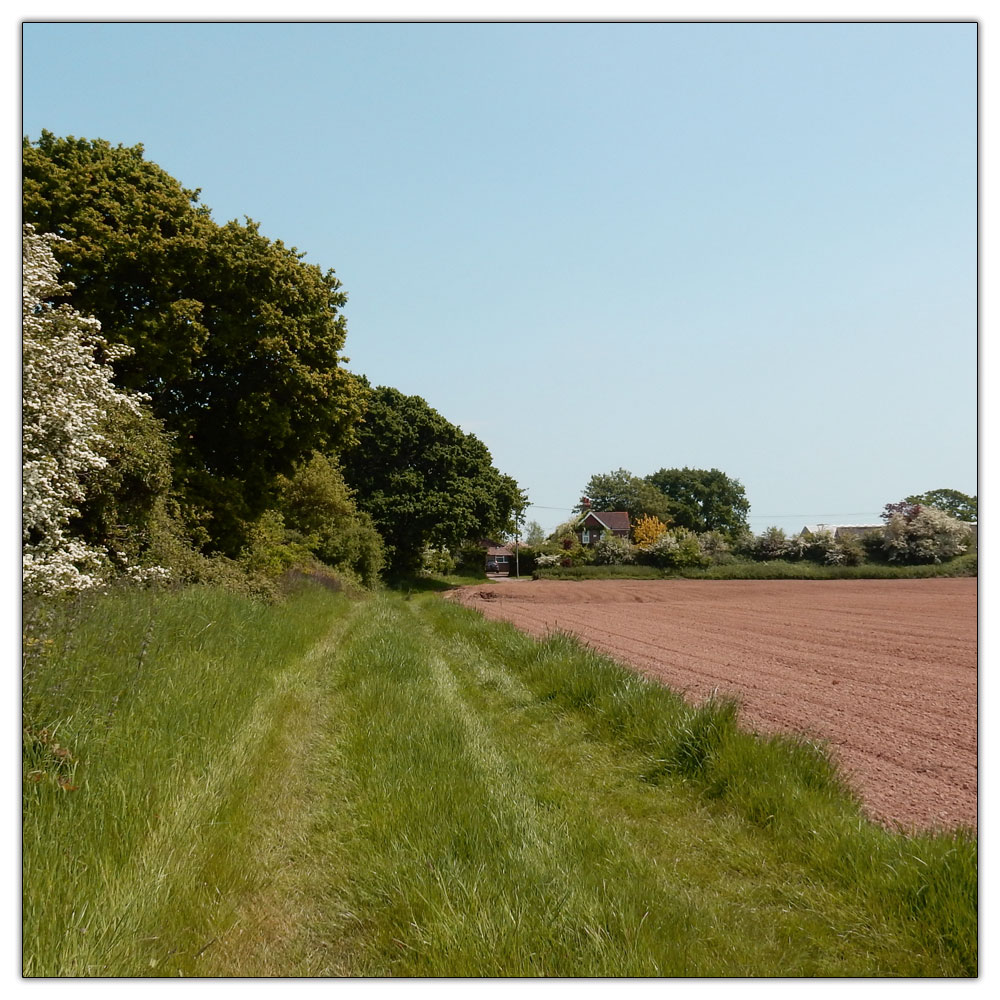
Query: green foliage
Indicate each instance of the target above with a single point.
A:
(214, 787)
(525, 560)
(674, 549)
(958, 505)
(772, 543)
(236, 340)
(470, 560)
(533, 533)
(773, 569)
(424, 481)
(703, 499)
(716, 546)
(925, 535)
(611, 550)
(126, 500)
(439, 562)
(176, 710)
(271, 549)
(316, 502)
(620, 490)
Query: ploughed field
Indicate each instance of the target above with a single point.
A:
(884, 671)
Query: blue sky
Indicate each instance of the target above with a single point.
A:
(743, 246)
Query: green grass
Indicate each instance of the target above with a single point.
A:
(395, 787)
(776, 569)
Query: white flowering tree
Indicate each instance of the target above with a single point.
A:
(923, 535)
(67, 390)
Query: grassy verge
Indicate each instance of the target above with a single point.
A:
(966, 565)
(150, 723)
(395, 787)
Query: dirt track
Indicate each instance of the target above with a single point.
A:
(885, 671)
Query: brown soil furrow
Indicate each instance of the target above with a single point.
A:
(884, 671)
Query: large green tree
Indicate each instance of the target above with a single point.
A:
(424, 481)
(236, 339)
(621, 490)
(704, 499)
(952, 502)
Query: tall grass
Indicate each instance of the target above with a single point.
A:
(395, 786)
(146, 718)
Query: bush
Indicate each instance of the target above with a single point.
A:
(318, 505)
(470, 559)
(924, 535)
(815, 546)
(770, 544)
(677, 548)
(647, 530)
(613, 551)
(848, 551)
(716, 547)
(438, 561)
(525, 560)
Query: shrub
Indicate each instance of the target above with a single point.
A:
(317, 503)
(816, 546)
(438, 561)
(546, 560)
(524, 560)
(470, 559)
(614, 551)
(715, 546)
(647, 530)
(770, 544)
(848, 551)
(924, 535)
(68, 398)
(675, 549)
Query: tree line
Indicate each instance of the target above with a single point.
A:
(225, 434)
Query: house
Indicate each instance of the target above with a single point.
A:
(592, 526)
(499, 558)
(843, 530)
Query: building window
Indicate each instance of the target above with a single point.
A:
(585, 537)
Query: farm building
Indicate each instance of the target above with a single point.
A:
(594, 524)
(843, 530)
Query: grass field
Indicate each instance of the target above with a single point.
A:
(391, 786)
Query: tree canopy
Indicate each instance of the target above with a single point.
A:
(704, 499)
(423, 480)
(952, 502)
(696, 499)
(620, 490)
(236, 340)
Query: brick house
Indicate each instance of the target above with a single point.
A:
(592, 526)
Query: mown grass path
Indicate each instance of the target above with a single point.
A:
(399, 788)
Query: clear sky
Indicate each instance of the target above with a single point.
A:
(747, 246)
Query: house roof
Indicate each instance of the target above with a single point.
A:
(499, 550)
(815, 529)
(613, 520)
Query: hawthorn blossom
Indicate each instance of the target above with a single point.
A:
(66, 391)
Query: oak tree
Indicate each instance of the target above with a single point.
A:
(424, 481)
(237, 341)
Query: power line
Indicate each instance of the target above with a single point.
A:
(850, 513)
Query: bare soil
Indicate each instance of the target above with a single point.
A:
(885, 671)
